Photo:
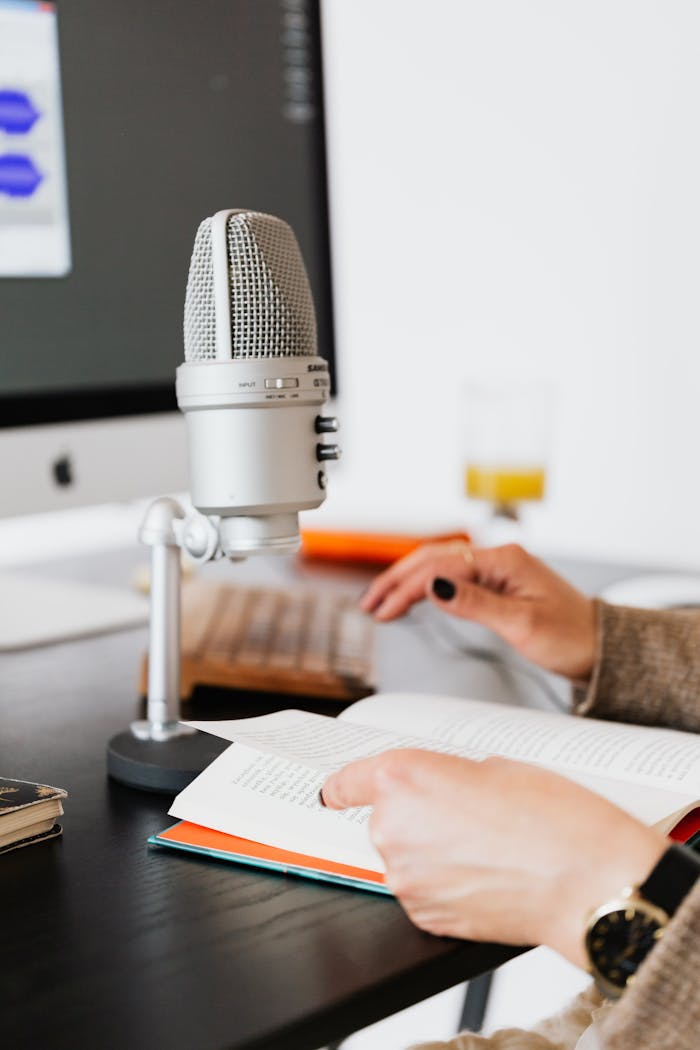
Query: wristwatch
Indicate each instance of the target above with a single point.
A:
(621, 933)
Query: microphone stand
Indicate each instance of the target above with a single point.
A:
(158, 753)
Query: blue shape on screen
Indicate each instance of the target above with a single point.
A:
(18, 176)
(17, 112)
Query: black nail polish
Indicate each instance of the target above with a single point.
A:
(443, 589)
(320, 799)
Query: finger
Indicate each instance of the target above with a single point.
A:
(470, 601)
(405, 593)
(509, 568)
(390, 578)
(407, 566)
(354, 785)
(409, 587)
(377, 592)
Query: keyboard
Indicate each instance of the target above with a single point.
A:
(296, 641)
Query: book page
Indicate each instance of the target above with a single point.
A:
(663, 759)
(318, 741)
(272, 799)
(652, 773)
(660, 809)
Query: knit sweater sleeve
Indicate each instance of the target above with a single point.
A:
(647, 670)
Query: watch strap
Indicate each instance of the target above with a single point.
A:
(672, 878)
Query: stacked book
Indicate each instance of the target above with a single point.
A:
(28, 813)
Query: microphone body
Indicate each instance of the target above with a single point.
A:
(253, 446)
(253, 386)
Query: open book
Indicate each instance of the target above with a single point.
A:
(258, 802)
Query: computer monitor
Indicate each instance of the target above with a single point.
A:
(122, 125)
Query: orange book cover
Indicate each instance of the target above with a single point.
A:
(197, 839)
(194, 838)
(366, 548)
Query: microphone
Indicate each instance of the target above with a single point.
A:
(253, 385)
(251, 388)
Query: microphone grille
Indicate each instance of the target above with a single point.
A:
(272, 310)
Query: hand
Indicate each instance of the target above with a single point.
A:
(495, 850)
(504, 588)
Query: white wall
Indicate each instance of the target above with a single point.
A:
(516, 191)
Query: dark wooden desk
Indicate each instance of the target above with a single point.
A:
(108, 943)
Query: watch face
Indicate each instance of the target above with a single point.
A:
(619, 941)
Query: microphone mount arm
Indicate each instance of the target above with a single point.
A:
(158, 753)
(167, 531)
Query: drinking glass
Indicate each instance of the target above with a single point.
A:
(506, 443)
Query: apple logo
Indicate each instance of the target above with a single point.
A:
(62, 470)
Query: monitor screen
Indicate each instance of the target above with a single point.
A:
(34, 227)
(122, 125)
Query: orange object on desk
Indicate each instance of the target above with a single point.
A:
(367, 548)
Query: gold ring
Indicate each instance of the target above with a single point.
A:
(468, 554)
(466, 550)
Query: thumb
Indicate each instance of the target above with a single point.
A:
(353, 785)
(470, 601)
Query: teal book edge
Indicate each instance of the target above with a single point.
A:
(270, 865)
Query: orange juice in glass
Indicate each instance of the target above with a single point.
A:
(507, 432)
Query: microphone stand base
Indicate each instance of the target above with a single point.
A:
(165, 766)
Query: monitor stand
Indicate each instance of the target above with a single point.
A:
(37, 610)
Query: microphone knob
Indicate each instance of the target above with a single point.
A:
(326, 425)
(327, 452)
